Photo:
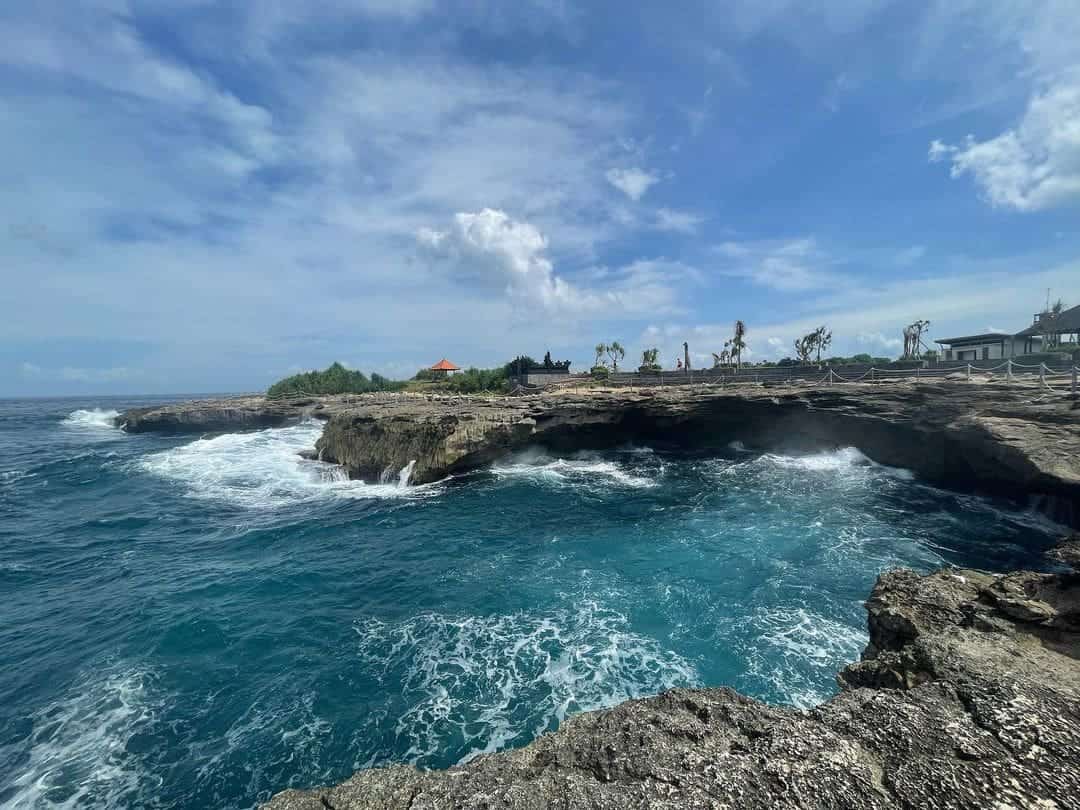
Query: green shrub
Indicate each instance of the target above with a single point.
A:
(336, 379)
(600, 372)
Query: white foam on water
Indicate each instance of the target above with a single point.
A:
(485, 681)
(264, 470)
(592, 471)
(92, 419)
(842, 459)
(808, 644)
(845, 461)
(78, 753)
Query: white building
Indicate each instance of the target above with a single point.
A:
(990, 346)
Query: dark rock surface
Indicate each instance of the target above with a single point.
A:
(968, 696)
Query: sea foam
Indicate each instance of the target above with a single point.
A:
(264, 470)
(490, 682)
(586, 470)
(79, 748)
(92, 418)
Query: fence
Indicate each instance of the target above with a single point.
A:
(1048, 375)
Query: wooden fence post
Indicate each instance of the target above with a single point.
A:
(1042, 373)
(969, 372)
(1008, 371)
(1074, 381)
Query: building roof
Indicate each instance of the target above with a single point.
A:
(1067, 321)
(989, 337)
(445, 365)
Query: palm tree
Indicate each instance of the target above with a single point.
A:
(616, 352)
(738, 343)
(601, 350)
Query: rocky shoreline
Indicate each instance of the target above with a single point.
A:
(967, 696)
(990, 437)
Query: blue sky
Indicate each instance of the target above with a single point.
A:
(203, 196)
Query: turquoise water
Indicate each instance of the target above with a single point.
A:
(190, 622)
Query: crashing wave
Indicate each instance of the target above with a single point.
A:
(95, 418)
(264, 469)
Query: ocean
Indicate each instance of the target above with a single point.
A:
(191, 622)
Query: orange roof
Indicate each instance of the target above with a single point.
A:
(445, 365)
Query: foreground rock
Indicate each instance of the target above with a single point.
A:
(968, 697)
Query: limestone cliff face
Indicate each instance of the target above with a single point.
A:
(968, 697)
(958, 436)
(989, 437)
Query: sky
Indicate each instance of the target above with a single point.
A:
(204, 196)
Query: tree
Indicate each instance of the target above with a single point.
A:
(738, 343)
(913, 338)
(822, 340)
(601, 349)
(547, 360)
(804, 347)
(650, 360)
(616, 352)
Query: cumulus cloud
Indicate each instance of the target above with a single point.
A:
(488, 247)
(632, 182)
(1035, 165)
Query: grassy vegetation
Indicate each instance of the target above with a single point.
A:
(335, 379)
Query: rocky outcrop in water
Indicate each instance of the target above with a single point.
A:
(968, 696)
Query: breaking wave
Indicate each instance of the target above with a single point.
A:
(80, 747)
(479, 684)
(264, 470)
(93, 418)
(581, 470)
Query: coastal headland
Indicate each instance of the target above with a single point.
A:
(991, 437)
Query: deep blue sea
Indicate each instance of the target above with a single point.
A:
(195, 622)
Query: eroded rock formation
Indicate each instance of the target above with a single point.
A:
(968, 696)
(990, 437)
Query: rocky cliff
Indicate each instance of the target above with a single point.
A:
(1012, 439)
(968, 696)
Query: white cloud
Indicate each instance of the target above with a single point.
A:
(668, 219)
(793, 265)
(1034, 166)
(488, 247)
(877, 339)
(632, 182)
